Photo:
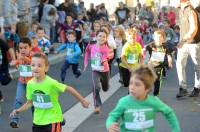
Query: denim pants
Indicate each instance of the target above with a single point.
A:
(64, 68)
(19, 99)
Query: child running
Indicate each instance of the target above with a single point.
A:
(42, 93)
(99, 54)
(131, 57)
(136, 112)
(72, 57)
(23, 63)
(160, 58)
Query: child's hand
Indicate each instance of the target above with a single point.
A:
(85, 103)
(114, 127)
(170, 65)
(13, 63)
(14, 113)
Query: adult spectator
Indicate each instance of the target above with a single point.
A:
(102, 12)
(122, 13)
(24, 17)
(65, 6)
(189, 45)
(91, 13)
(171, 16)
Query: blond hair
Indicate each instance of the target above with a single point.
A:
(121, 32)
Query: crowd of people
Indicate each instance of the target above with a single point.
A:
(135, 34)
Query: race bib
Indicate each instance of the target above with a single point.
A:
(157, 56)
(1, 57)
(70, 52)
(96, 64)
(132, 59)
(25, 71)
(42, 101)
(139, 120)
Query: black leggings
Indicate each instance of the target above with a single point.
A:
(55, 127)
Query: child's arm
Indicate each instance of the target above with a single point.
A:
(169, 115)
(87, 55)
(60, 48)
(113, 118)
(77, 95)
(25, 107)
(77, 50)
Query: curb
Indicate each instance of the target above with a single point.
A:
(53, 59)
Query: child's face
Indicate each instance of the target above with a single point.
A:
(71, 38)
(158, 38)
(137, 88)
(34, 27)
(116, 33)
(69, 19)
(97, 26)
(131, 37)
(24, 49)
(40, 33)
(38, 67)
(101, 37)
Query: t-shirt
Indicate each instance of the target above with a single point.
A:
(132, 54)
(139, 115)
(158, 55)
(44, 96)
(122, 15)
(3, 56)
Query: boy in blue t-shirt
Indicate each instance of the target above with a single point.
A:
(72, 57)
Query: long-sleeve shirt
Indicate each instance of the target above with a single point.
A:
(138, 116)
(99, 56)
(73, 51)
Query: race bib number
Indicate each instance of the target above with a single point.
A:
(139, 120)
(25, 71)
(70, 52)
(132, 59)
(96, 64)
(1, 57)
(157, 56)
(42, 101)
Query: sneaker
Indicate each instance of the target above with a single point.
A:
(182, 93)
(97, 110)
(195, 92)
(63, 122)
(14, 124)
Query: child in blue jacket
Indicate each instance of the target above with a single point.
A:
(73, 54)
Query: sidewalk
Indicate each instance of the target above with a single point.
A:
(53, 59)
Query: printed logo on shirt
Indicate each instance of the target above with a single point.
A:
(1, 57)
(141, 119)
(41, 100)
(25, 71)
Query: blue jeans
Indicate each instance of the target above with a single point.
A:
(19, 99)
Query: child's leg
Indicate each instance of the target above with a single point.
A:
(120, 72)
(125, 76)
(55, 127)
(105, 77)
(76, 71)
(19, 100)
(63, 70)
(157, 82)
(96, 88)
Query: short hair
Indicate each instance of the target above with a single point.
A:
(146, 74)
(42, 56)
(25, 40)
(71, 32)
(35, 23)
(40, 28)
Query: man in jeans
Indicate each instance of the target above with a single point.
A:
(189, 45)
